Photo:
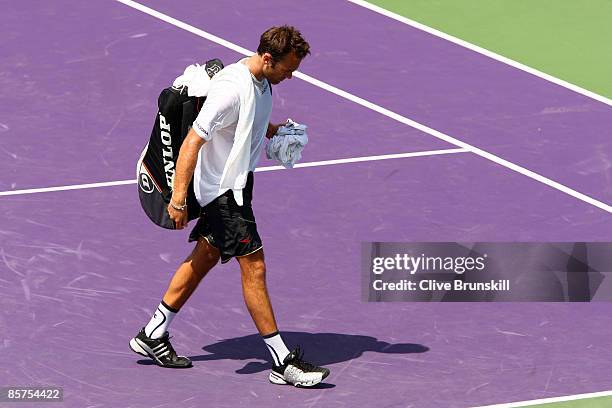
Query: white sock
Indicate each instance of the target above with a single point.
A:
(277, 347)
(160, 321)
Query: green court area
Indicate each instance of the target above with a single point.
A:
(566, 39)
(601, 402)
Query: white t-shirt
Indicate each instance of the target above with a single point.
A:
(216, 123)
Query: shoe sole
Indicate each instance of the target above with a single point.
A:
(141, 349)
(278, 379)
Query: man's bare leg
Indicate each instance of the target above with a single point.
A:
(254, 289)
(289, 368)
(189, 274)
(184, 282)
(255, 292)
(153, 340)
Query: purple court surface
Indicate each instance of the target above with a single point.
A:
(82, 270)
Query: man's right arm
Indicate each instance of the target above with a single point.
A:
(220, 109)
(185, 166)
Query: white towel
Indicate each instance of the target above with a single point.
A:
(287, 144)
(196, 79)
(236, 169)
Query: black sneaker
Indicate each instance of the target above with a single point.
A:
(297, 372)
(160, 350)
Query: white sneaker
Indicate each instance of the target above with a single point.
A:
(297, 372)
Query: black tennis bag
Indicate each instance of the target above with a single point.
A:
(157, 164)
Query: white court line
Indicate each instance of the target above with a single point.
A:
(379, 109)
(259, 169)
(483, 51)
(549, 400)
(367, 158)
(64, 188)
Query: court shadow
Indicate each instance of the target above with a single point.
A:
(319, 348)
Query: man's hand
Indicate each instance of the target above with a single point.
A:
(178, 216)
(272, 129)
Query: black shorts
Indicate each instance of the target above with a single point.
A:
(229, 227)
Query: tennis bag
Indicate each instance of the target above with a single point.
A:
(157, 164)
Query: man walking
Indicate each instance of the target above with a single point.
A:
(221, 152)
